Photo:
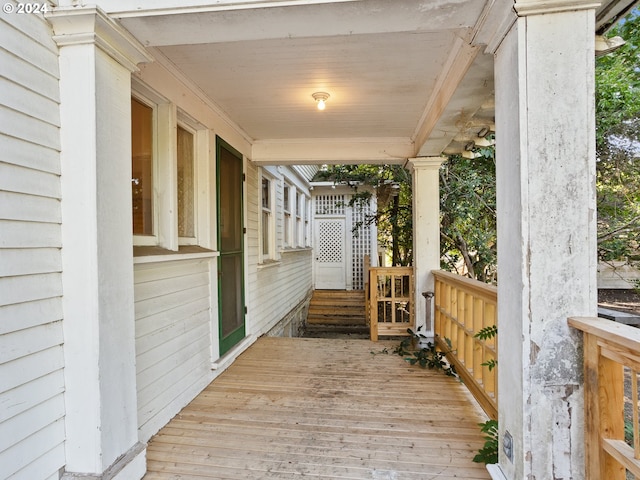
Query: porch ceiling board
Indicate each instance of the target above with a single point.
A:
(266, 86)
(391, 70)
(327, 150)
(290, 407)
(416, 70)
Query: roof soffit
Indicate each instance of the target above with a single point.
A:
(394, 70)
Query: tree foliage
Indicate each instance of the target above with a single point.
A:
(618, 145)
(392, 184)
(467, 186)
(468, 215)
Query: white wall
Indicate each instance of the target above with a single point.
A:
(176, 299)
(173, 341)
(276, 288)
(31, 341)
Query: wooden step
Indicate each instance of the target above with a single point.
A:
(337, 307)
(356, 302)
(338, 294)
(327, 309)
(335, 320)
(331, 331)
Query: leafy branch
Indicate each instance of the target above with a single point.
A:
(426, 357)
(489, 452)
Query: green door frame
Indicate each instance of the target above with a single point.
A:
(231, 338)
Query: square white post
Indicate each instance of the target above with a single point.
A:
(545, 136)
(96, 60)
(426, 232)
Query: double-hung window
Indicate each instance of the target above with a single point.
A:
(167, 156)
(307, 227)
(185, 160)
(143, 171)
(299, 207)
(267, 226)
(287, 214)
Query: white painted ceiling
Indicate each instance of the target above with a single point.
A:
(405, 77)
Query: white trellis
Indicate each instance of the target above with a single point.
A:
(360, 234)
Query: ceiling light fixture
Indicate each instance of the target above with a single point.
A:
(320, 98)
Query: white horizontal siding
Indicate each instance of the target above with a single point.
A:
(30, 155)
(32, 181)
(39, 107)
(280, 288)
(273, 291)
(173, 338)
(31, 341)
(28, 208)
(17, 261)
(18, 234)
(29, 76)
(29, 314)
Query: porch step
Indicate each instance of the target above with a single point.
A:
(336, 331)
(337, 307)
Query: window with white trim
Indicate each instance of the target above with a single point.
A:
(299, 210)
(267, 224)
(307, 227)
(185, 160)
(143, 170)
(168, 151)
(287, 214)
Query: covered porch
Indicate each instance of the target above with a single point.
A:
(407, 82)
(323, 408)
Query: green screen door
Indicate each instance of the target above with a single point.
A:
(230, 244)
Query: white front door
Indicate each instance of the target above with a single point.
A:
(331, 254)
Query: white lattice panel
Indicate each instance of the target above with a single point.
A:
(330, 205)
(360, 244)
(330, 248)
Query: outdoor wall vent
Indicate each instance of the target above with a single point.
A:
(507, 446)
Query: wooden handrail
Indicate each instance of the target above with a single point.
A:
(609, 349)
(462, 308)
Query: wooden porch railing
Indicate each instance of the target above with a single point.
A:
(611, 353)
(390, 303)
(462, 308)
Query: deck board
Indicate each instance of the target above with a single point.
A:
(326, 409)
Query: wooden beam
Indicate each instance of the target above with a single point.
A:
(460, 59)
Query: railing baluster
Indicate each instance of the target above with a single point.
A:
(463, 307)
(391, 301)
(608, 348)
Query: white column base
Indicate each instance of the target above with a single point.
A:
(131, 466)
(496, 472)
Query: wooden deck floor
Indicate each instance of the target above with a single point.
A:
(322, 408)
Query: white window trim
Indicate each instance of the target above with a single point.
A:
(286, 206)
(167, 187)
(271, 255)
(189, 240)
(153, 103)
(307, 221)
(200, 171)
(166, 119)
(299, 240)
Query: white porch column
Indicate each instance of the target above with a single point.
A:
(96, 61)
(545, 135)
(426, 231)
